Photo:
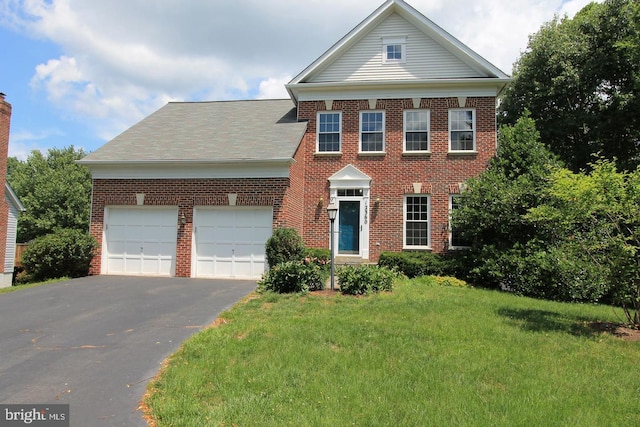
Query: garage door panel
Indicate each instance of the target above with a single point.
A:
(230, 242)
(140, 241)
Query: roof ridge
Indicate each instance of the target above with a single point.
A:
(229, 101)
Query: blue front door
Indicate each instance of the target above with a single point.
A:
(349, 227)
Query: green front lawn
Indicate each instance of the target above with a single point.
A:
(422, 355)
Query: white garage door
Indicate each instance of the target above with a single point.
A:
(229, 242)
(140, 241)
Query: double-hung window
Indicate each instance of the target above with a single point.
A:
(372, 131)
(416, 222)
(455, 238)
(329, 132)
(416, 130)
(462, 130)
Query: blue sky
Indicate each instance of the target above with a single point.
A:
(79, 72)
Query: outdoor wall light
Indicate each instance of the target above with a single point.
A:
(183, 219)
(320, 201)
(378, 200)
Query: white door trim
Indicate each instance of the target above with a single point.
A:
(351, 177)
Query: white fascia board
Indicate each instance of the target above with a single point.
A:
(189, 170)
(436, 88)
(11, 195)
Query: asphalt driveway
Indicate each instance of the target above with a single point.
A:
(95, 342)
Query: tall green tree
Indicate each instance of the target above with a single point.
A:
(580, 79)
(54, 189)
(511, 250)
(493, 209)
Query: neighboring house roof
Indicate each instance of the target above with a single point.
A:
(356, 59)
(208, 132)
(13, 198)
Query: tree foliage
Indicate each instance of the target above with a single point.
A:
(541, 230)
(54, 189)
(580, 79)
(492, 213)
(599, 214)
(509, 249)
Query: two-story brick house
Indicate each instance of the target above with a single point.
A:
(387, 125)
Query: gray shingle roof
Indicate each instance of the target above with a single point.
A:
(223, 131)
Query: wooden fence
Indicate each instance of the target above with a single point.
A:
(20, 248)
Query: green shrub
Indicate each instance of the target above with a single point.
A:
(561, 273)
(365, 279)
(285, 244)
(414, 264)
(292, 277)
(20, 276)
(63, 253)
(320, 257)
(323, 256)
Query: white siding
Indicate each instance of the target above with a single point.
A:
(12, 231)
(425, 59)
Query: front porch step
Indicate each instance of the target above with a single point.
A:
(350, 260)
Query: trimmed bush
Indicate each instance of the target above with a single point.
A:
(285, 244)
(292, 277)
(63, 253)
(365, 279)
(414, 264)
(322, 256)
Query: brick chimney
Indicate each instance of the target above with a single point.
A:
(5, 121)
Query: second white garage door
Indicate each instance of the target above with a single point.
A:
(230, 242)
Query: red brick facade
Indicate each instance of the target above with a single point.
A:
(300, 201)
(187, 194)
(394, 173)
(5, 121)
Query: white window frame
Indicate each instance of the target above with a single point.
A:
(474, 130)
(451, 246)
(360, 142)
(339, 113)
(394, 41)
(427, 130)
(405, 221)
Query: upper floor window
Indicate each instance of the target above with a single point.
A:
(416, 222)
(394, 50)
(372, 131)
(462, 130)
(329, 132)
(416, 130)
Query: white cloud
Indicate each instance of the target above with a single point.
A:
(24, 142)
(273, 88)
(123, 59)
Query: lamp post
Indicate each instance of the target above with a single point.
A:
(332, 211)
